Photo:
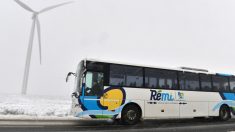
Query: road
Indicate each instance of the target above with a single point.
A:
(185, 125)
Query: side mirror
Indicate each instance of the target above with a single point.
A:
(75, 94)
(69, 74)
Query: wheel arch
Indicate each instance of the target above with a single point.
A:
(224, 104)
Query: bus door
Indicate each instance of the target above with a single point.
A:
(92, 93)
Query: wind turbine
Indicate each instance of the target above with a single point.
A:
(35, 24)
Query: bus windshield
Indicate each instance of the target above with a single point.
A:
(79, 73)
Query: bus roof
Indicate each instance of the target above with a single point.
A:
(183, 69)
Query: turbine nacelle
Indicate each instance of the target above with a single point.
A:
(35, 15)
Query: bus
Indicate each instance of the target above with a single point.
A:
(130, 93)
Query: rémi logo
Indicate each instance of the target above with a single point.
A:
(160, 96)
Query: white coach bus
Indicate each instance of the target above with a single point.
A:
(131, 92)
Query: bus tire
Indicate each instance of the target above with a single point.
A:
(224, 113)
(131, 114)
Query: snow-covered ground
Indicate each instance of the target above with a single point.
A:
(34, 107)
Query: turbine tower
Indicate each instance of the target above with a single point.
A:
(35, 24)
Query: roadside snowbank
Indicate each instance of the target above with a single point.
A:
(18, 106)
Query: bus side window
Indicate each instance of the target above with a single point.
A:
(232, 84)
(205, 82)
(134, 76)
(189, 81)
(220, 83)
(117, 75)
(127, 76)
(160, 79)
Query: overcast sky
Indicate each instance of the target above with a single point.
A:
(169, 33)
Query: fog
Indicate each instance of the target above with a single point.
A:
(168, 33)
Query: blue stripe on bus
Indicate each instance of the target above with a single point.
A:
(224, 74)
(89, 102)
(229, 96)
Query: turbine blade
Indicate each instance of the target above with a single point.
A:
(39, 39)
(26, 7)
(54, 6)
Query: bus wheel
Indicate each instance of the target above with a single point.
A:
(131, 115)
(224, 113)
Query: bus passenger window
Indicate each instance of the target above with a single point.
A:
(134, 76)
(128, 76)
(189, 81)
(205, 82)
(232, 84)
(220, 83)
(160, 79)
(117, 75)
(161, 83)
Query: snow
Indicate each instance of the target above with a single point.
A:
(34, 107)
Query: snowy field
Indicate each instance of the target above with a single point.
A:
(34, 107)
